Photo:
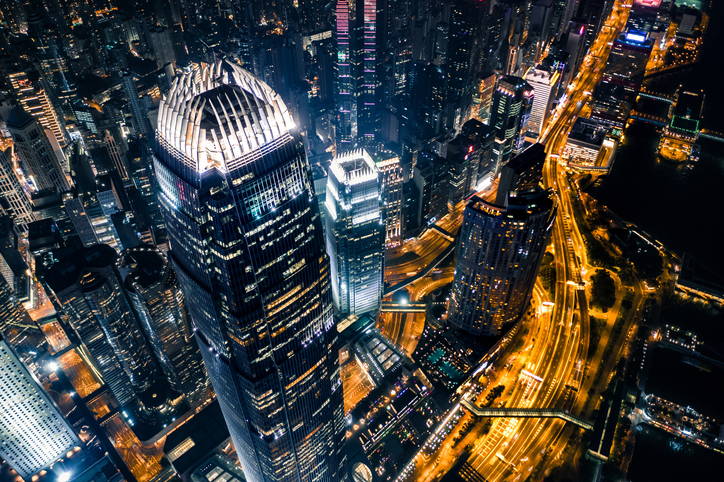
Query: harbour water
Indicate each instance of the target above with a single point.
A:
(680, 205)
(661, 457)
(683, 207)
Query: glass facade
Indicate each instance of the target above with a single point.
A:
(355, 231)
(34, 434)
(498, 258)
(154, 291)
(247, 244)
(86, 286)
(512, 103)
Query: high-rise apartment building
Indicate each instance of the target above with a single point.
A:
(544, 81)
(12, 196)
(38, 151)
(392, 179)
(499, 254)
(248, 247)
(512, 103)
(139, 114)
(34, 433)
(86, 286)
(154, 291)
(355, 232)
(345, 88)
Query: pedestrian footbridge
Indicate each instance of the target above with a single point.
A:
(525, 413)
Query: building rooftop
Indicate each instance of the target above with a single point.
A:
(588, 131)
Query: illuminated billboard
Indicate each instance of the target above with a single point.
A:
(636, 36)
(647, 3)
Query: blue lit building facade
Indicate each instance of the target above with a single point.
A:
(248, 247)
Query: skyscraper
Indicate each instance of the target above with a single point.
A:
(248, 247)
(544, 81)
(87, 287)
(38, 151)
(512, 102)
(499, 254)
(139, 114)
(462, 57)
(355, 232)
(345, 91)
(34, 434)
(368, 115)
(392, 179)
(154, 291)
(12, 195)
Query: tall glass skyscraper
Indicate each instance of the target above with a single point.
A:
(155, 293)
(355, 232)
(86, 286)
(34, 434)
(248, 247)
(509, 114)
(499, 254)
(346, 124)
(368, 116)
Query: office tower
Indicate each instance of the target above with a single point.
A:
(544, 81)
(432, 178)
(115, 154)
(257, 284)
(368, 115)
(81, 222)
(462, 58)
(392, 179)
(34, 433)
(161, 43)
(37, 151)
(522, 173)
(484, 135)
(16, 326)
(463, 156)
(428, 85)
(12, 196)
(499, 254)
(623, 74)
(13, 267)
(345, 92)
(35, 101)
(512, 102)
(355, 232)
(482, 96)
(154, 291)
(139, 114)
(86, 286)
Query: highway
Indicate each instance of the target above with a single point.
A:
(555, 341)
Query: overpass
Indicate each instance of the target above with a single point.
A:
(711, 135)
(669, 99)
(424, 272)
(445, 234)
(410, 307)
(649, 119)
(525, 413)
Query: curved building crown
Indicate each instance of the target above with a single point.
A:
(221, 116)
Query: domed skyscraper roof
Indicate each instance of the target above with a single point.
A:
(221, 116)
